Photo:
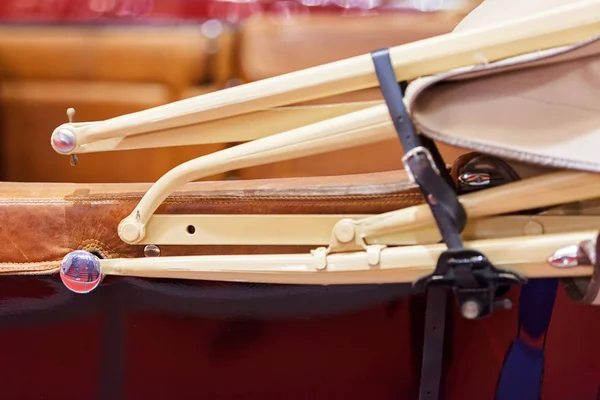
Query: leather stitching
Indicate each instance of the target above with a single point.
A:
(96, 245)
(88, 245)
(197, 200)
(49, 267)
(31, 267)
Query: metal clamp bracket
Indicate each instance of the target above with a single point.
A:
(473, 279)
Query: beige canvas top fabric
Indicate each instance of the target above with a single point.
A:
(541, 108)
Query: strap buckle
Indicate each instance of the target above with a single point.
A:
(416, 157)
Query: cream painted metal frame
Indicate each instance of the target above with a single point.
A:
(391, 247)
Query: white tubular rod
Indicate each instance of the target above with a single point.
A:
(359, 128)
(524, 255)
(556, 27)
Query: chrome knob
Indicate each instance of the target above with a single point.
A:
(80, 271)
(63, 141)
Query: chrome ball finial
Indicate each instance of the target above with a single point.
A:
(80, 271)
(63, 140)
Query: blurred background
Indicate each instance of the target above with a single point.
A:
(111, 57)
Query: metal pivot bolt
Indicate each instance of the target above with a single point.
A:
(130, 230)
(470, 309)
(344, 231)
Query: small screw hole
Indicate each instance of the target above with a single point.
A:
(191, 229)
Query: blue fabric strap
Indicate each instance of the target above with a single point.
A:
(522, 373)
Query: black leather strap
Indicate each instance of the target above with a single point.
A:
(433, 344)
(424, 164)
(394, 99)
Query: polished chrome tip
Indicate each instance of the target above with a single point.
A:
(63, 141)
(574, 256)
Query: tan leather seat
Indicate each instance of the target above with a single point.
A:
(539, 108)
(85, 216)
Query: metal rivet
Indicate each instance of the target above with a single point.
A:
(152, 251)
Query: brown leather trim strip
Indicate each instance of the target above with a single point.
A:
(42, 222)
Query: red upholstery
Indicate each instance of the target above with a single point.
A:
(363, 355)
